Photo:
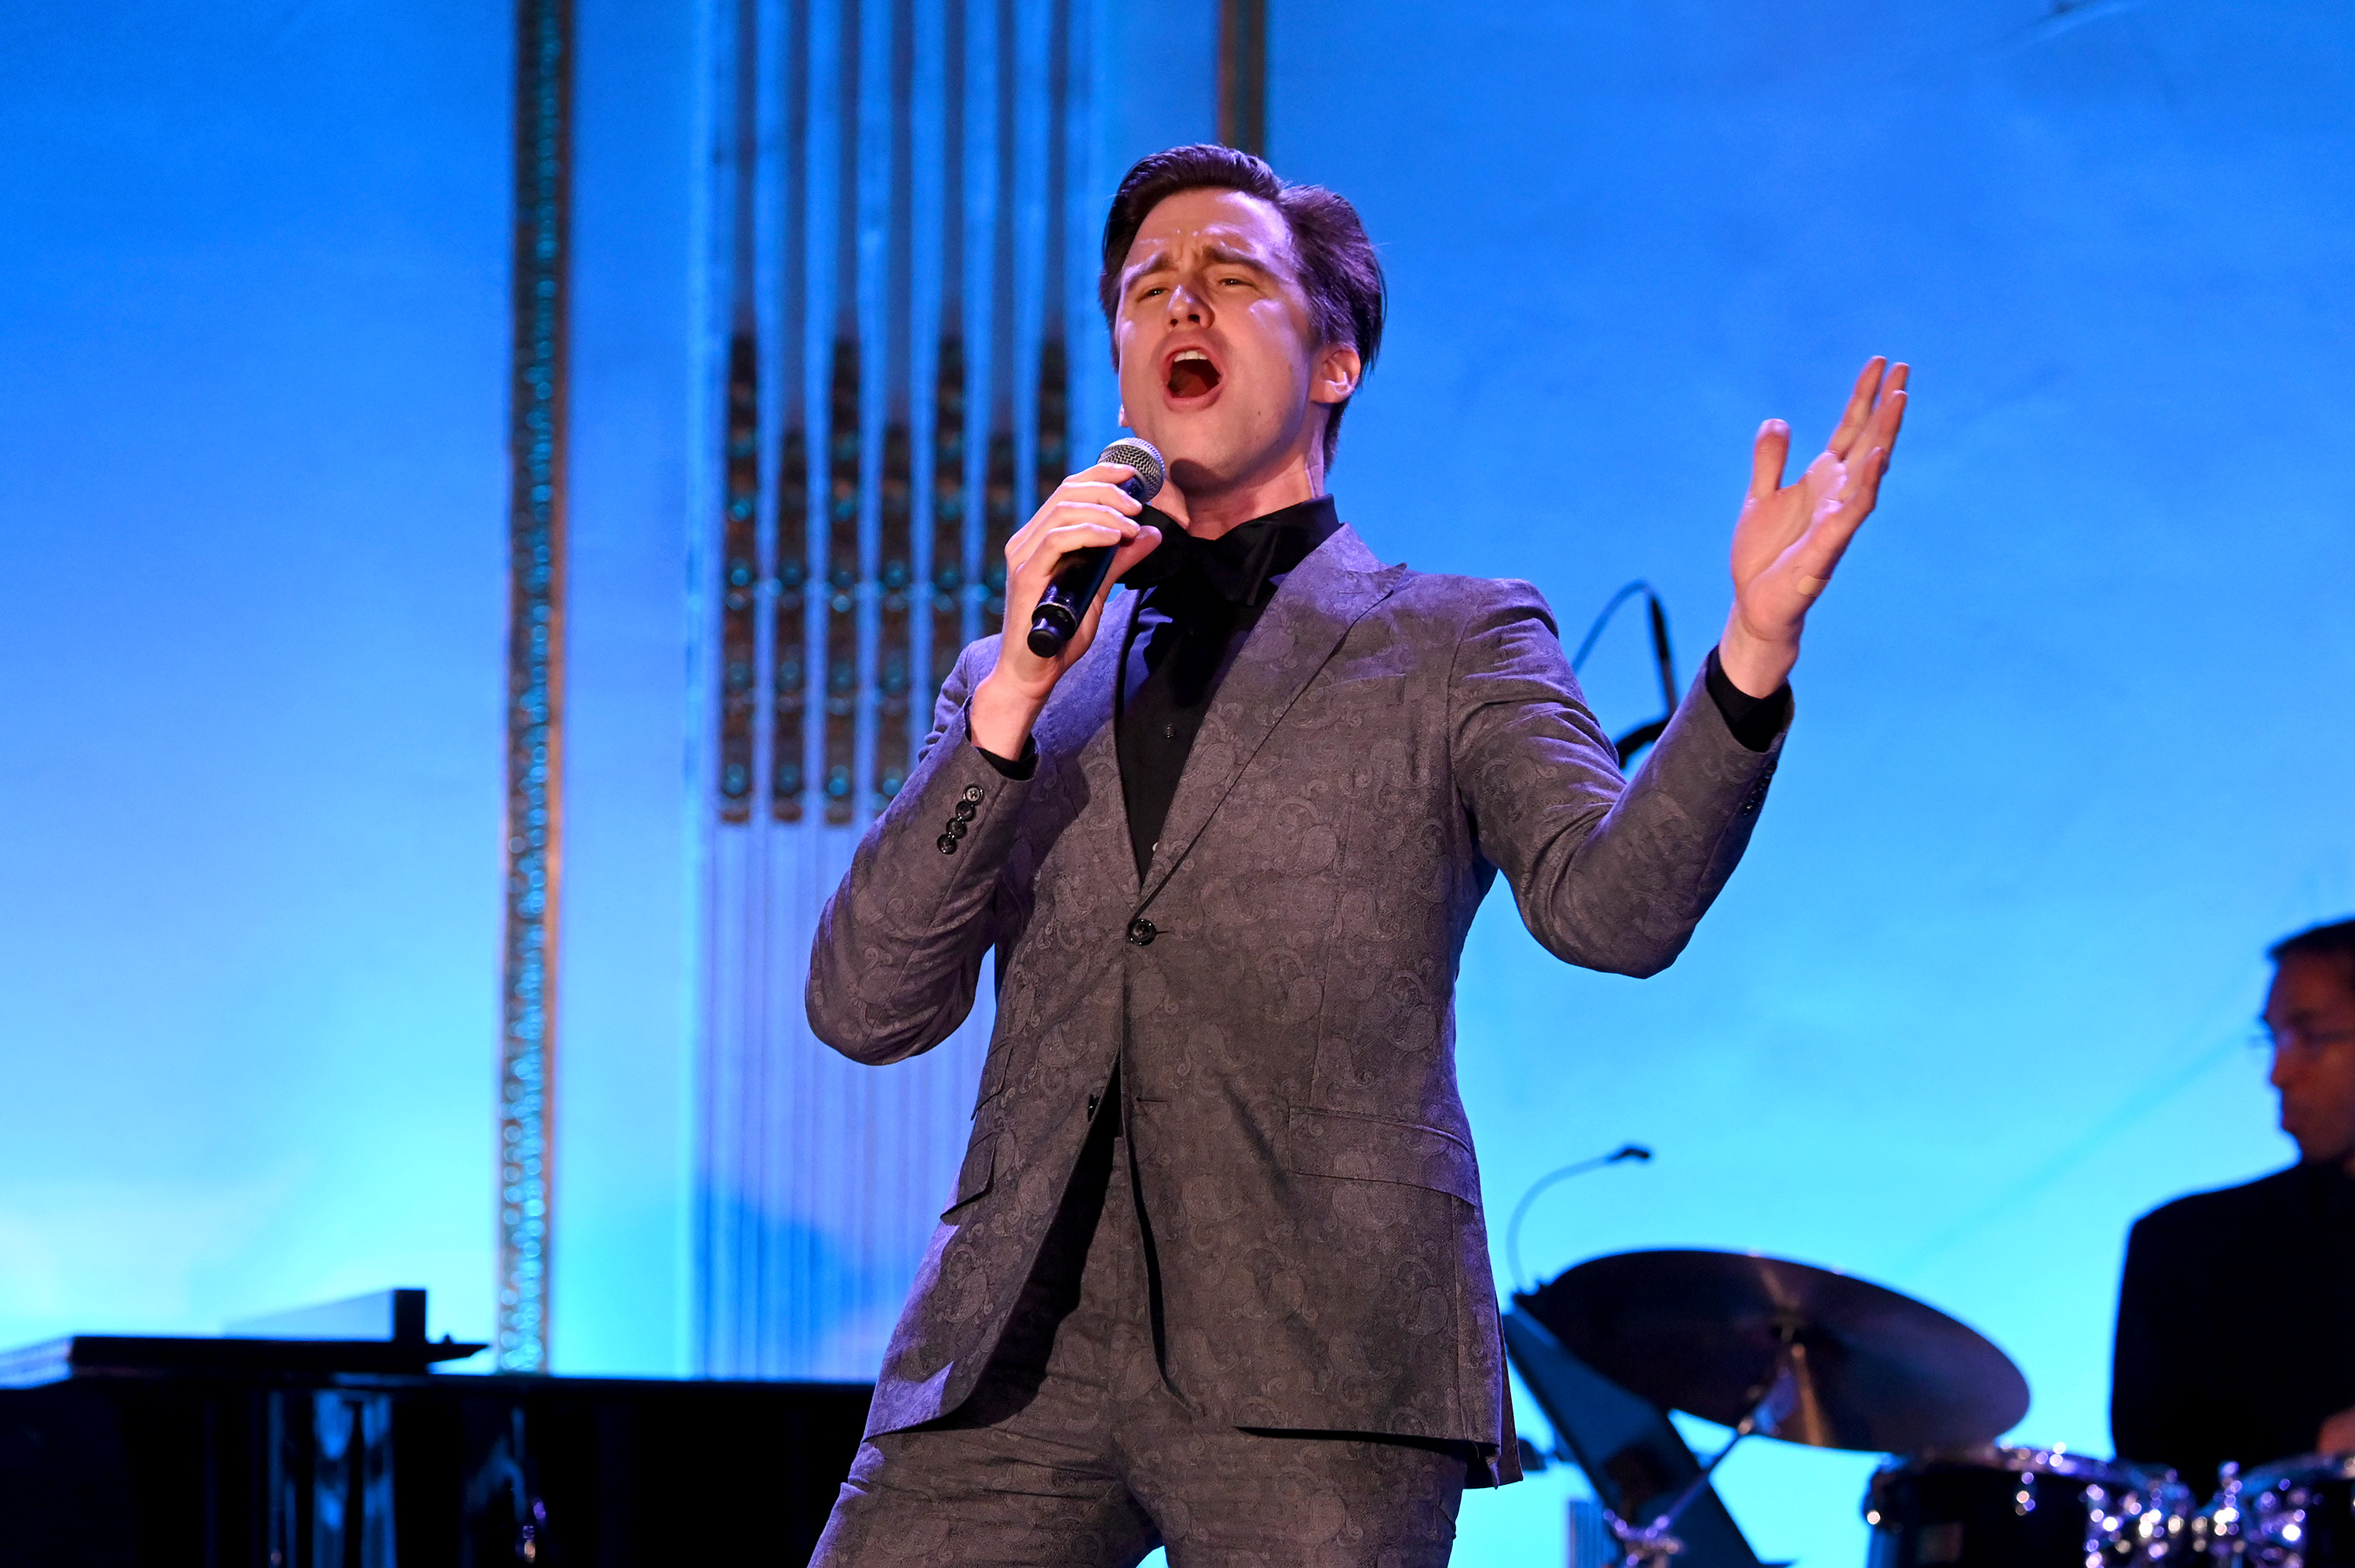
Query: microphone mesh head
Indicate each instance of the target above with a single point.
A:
(1139, 454)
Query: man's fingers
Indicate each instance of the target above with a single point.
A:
(1142, 543)
(1818, 551)
(1112, 473)
(1767, 456)
(1100, 492)
(1837, 512)
(1859, 406)
(1098, 485)
(1147, 540)
(1067, 533)
(1866, 456)
(1889, 418)
(1868, 461)
(1837, 492)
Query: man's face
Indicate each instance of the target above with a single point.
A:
(1218, 365)
(2310, 1013)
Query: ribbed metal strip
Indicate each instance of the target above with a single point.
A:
(535, 713)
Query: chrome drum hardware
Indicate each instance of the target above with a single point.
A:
(2020, 1508)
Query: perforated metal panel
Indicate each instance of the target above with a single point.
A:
(894, 257)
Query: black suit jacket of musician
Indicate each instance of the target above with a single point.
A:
(1276, 989)
(2236, 1324)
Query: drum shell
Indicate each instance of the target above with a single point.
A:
(2013, 1509)
(2300, 1513)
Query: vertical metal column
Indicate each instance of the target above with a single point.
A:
(1051, 457)
(998, 500)
(1242, 75)
(951, 574)
(789, 682)
(739, 592)
(845, 466)
(534, 714)
(892, 326)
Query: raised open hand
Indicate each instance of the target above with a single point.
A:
(1789, 537)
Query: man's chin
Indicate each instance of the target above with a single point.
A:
(1205, 455)
(2313, 1149)
(1195, 474)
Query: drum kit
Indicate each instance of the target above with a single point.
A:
(1784, 1350)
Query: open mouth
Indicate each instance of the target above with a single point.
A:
(1192, 375)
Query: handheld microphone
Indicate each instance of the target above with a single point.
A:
(1065, 603)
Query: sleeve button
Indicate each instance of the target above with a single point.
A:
(958, 830)
(972, 792)
(965, 809)
(947, 845)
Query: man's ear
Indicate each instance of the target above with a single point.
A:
(1338, 371)
(1123, 421)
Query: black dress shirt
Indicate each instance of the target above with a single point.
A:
(1197, 602)
(2236, 1324)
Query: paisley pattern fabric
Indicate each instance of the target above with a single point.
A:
(1075, 1452)
(1276, 989)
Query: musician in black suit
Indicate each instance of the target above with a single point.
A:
(2236, 1319)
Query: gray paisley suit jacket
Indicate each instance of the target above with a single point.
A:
(1385, 742)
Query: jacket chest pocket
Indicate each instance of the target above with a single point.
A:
(978, 1170)
(980, 1167)
(1372, 1149)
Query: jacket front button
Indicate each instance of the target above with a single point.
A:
(1142, 931)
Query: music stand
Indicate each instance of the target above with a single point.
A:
(1633, 1456)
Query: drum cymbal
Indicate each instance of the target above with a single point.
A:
(1703, 1331)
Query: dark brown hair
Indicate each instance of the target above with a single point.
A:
(1336, 260)
(2334, 940)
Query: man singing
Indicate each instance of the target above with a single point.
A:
(2236, 1319)
(1214, 1274)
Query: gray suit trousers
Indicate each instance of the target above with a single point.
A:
(1074, 1452)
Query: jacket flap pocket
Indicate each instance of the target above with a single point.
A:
(974, 1176)
(1370, 1148)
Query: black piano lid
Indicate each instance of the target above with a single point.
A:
(123, 1355)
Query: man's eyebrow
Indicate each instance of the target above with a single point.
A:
(1152, 263)
(1227, 256)
(1217, 255)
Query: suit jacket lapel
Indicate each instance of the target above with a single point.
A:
(1075, 730)
(1301, 627)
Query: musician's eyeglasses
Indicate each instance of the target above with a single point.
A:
(2298, 1042)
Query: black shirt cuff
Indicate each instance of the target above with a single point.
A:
(1027, 763)
(1755, 721)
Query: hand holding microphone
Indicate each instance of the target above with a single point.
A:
(1080, 578)
(1059, 569)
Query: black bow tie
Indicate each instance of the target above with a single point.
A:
(1236, 565)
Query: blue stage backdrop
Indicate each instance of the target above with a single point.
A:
(253, 606)
(2071, 743)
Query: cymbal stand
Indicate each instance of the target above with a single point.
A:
(1776, 1395)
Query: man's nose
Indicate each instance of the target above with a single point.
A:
(2284, 1070)
(1187, 308)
